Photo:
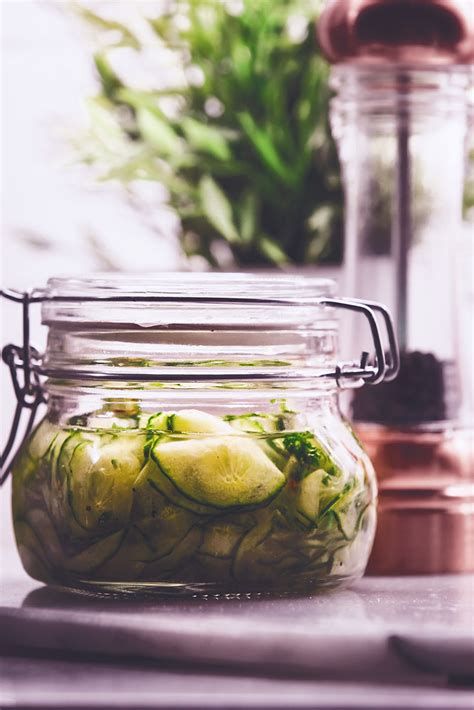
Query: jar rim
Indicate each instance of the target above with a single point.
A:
(194, 287)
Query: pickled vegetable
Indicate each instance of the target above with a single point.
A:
(241, 502)
(223, 472)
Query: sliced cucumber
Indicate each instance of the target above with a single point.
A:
(175, 561)
(55, 490)
(221, 539)
(42, 439)
(129, 561)
(222, 472)
(262, 424)
(249, 423)
(157, 422)
(69, 445)
(24, 469)
(51, 488)
(212, 569)
(188, 498)
(271, 551)
(108, 421)
(246, 561)
(61, 497)
(50, 461)
(160, 484)
(26, 536)
(309, 495)
(40, 522)
(273, 448)
(194, 421)
(31, 552)
(94, 556)
(292, 468)
(34, 565)
(351, 558)
(147, 500)
(350, 517)
(164, 531)
(100, 478)
(34, 465)
(266, 423)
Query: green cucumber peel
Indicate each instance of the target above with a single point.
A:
(340, 523)
(83, 562)
(183, 502)
(179, 552)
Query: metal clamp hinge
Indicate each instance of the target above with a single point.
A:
(28, 391)
(383, 365)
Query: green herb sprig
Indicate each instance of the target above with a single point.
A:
(304, 447)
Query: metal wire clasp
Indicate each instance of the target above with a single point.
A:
(385, 364)
(27, 386)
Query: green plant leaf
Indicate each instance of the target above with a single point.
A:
(144, 167)
(272, 251)
(248, 216)
(119, 35)
(109, 79)
(158, 133)
(264, 147)
(105, 129)
(217, 209)
(145, 99)
(206, 138)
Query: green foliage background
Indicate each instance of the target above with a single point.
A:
(246, 155)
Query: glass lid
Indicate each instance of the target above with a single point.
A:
(191, 286)
(186, 299)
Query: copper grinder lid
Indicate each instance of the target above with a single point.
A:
(414, 32)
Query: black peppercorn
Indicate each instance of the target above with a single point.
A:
(424, 391)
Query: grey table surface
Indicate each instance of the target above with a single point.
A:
(399, 642)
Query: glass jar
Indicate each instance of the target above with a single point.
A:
(193, 440)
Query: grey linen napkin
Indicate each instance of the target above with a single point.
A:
(217, 641)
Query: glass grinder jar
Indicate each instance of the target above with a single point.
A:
(402, 71)
(192, 440)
